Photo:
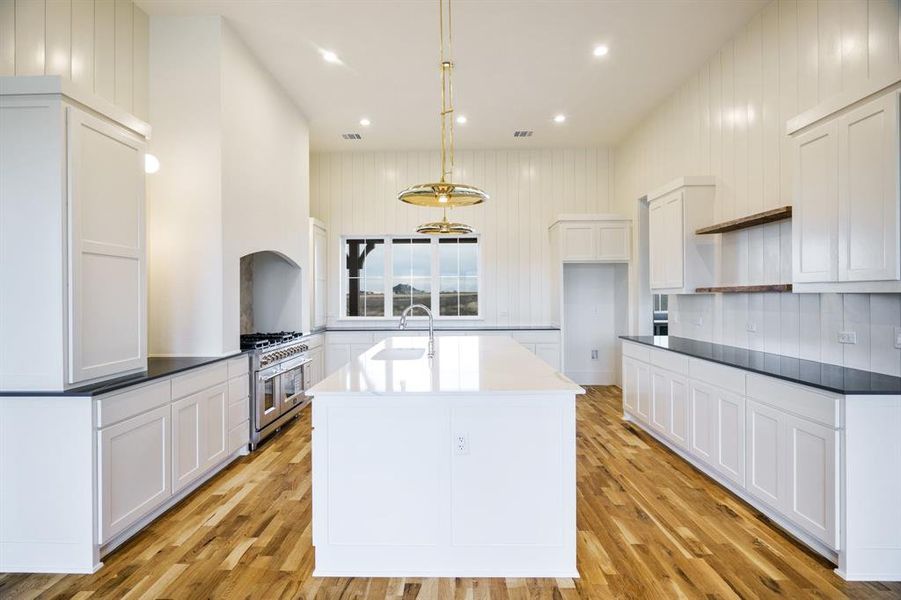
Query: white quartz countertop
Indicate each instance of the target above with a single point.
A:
(461, 365)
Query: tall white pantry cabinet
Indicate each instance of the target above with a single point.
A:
(72, 237)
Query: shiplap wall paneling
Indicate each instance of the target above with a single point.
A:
(728, 120)
(355, 193)
(101, 45)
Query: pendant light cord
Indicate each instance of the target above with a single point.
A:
(447, 93)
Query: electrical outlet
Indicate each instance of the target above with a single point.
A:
(751, 327)
(847, 337)
(461, 444)
(897, 337)
(699, 321)
(594, 355)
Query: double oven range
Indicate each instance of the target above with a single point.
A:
(280, 379)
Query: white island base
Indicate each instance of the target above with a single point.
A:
(463, 465)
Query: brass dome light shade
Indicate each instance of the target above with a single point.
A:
(445, 193)
(442, 194)
(444, 227)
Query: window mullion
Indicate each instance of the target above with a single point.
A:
(388, 273)
(436, 278)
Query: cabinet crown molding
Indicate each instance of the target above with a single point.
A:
(681, 182)
(48, 85)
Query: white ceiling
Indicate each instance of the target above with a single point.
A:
(518, 63)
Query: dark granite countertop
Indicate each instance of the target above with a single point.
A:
(157, 367)
(832, 378)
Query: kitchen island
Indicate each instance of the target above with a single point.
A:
(460, 465)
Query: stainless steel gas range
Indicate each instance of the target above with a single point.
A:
(281, 376)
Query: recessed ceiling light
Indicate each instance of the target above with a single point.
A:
(559, 118)
(364, 122)
(329, 56)
(601, 50)
(461, 119)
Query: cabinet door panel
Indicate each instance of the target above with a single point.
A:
(660, 400)
(579, 242)
(613, 241)
(643, 407)
(630, 385)
(812, 480)
(675, 245)
(703, 423)
(549, 353)
(214, 412)
(730, 451)
(766, 452)
(188, 440)
(657, 244)
(868, 192)
(815, 208)
(107, 309)
(678, 418)
(134, 470)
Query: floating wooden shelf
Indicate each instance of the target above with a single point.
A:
(746, 289)
(767, 216)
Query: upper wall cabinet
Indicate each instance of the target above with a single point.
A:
(592, 238)
(847, 206)
(73, 283)
(681, 261)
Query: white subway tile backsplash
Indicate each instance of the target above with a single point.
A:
(789, 324)
(857, 320)
(831, 323)
(885, 316)
(809, 327)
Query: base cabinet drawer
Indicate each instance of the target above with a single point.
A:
(134, 470)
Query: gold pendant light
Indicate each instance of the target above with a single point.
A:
(444, 193)
(444, 227)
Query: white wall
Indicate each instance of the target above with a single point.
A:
(101, 45)
(595, 313)
(265, 183)
(728, 120)
(356, 193)
(234, 155)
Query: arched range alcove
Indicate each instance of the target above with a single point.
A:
(271, 293)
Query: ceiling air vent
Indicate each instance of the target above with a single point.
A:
(522, 133)
(352, 136)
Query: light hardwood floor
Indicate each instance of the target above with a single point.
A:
(650, 526)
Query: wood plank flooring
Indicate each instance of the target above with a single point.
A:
(650, 526)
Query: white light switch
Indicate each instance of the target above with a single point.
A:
(897, 337)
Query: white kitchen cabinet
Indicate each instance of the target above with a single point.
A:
(77, 296)
(631, 385)
(869, 206)
(766, 447)
(730, 435)
(188, 440)
(591, 238)
(812, 479)
(815, 206)
(317, 365)
(660, 400)
(680, 260)
(107, 252)
(549, 353)
(134, 469)
(318, 279)
(847, 204)
(669, 405)
(214, 412)
(702, 411)
(200, 433)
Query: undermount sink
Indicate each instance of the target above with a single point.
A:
(399, 354)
